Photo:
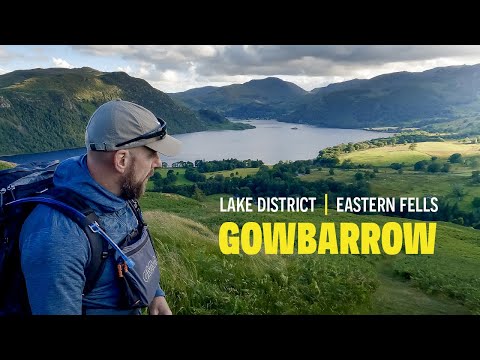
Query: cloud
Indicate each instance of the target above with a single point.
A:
(170, 57)
(323, 60)
(126, 69)
(311, 60)
(104, 50)
(306, 65)
(61, 63)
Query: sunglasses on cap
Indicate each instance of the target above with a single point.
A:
(159, 132)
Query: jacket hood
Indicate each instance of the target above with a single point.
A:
(74, 175)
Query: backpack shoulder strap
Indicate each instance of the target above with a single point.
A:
(135, 206)
(99, 247)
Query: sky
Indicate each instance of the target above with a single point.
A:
(175, 68)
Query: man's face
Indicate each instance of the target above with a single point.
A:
(136, 177)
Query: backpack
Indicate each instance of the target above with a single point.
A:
(32, 183)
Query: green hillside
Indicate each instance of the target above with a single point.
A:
(398, 99)
(385, 155)
(199, 279)
(202, 280)
(48, 109)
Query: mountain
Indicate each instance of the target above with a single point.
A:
(440, 99)
(266, 98)
(349, 84)
(422, 99)
(48, 109)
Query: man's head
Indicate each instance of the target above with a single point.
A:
(120, 124)
(123, 140)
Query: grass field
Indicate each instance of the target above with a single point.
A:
(179, 172)
(386, 155)
(387, 182)
(199, 279)
(241, 172)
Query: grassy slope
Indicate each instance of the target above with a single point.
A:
(48, 109)
(411, 183)
(200, 279)
(384, 156)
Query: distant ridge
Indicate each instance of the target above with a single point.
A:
(439, 99)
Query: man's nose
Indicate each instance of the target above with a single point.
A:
(157, 162)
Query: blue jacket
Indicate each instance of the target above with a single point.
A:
(55, 251)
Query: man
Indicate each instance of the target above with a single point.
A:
(123, 143)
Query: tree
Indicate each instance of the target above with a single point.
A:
(359, 176)
(171, 177)
(157, 182)
(434, 167)
(412, 146)
(198, 194)
(446, 167)
(456, 158)
(420, 165)
(476, 176)
(476, 202)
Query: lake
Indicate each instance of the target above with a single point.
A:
(271, 141)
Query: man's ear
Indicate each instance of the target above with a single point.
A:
(121, 160)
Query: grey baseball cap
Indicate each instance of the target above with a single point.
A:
(120, 124)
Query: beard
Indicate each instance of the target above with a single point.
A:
(132, 189)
